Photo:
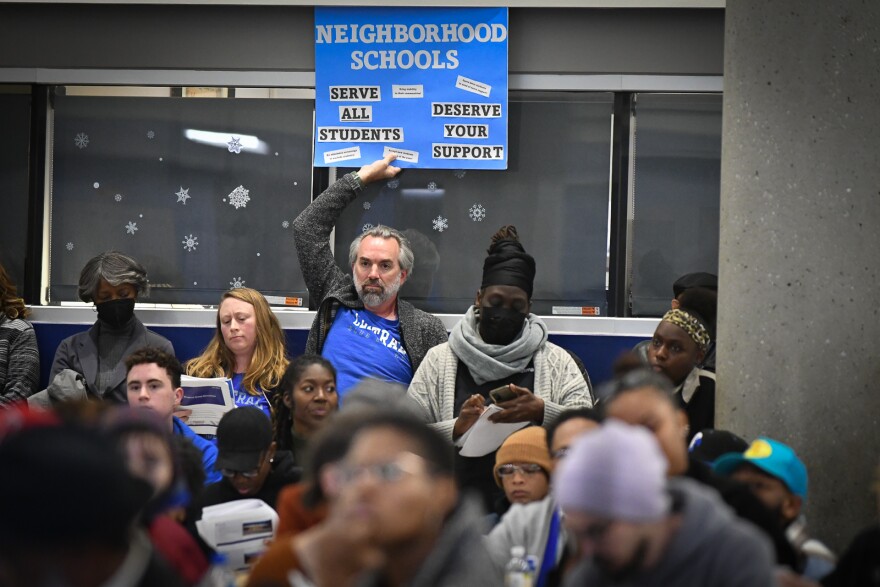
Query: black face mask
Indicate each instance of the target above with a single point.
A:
(116, 313)
(500, 325)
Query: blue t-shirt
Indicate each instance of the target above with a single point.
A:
(243, 398)
(361, 344)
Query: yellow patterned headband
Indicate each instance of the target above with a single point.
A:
(690, 324)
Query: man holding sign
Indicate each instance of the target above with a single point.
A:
(361, 325)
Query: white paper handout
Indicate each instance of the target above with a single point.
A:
(485, 436)
(238, 529)
(208, 398)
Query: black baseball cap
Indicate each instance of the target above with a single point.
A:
(710, 444)
(691, 280)
(243, 435)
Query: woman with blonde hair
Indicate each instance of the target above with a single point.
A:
(247, 347)
(19, 357)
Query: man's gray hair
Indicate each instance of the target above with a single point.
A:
(115, 268)
(405, 258)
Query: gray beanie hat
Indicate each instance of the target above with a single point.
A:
(617, 471)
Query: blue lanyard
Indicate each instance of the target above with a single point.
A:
(549, 559)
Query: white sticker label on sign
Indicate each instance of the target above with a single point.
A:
(466, 131)
(355, 114)
(447, 151)
(576, 311)
(358, 134)
(342, 155)
(402, 154)
(416, 91)
(355, 94)
(473, 86)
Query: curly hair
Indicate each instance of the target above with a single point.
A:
(147, 355)
(10, 304)
(282, 421)
(270, 356)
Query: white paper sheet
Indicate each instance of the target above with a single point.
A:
(485, 436)
(207, 399)
(240, 530)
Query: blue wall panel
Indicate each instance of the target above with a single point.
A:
(597, 352)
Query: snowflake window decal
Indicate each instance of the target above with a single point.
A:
(182, 195)
(441, 224)
(237, 282)
(367, 227)
(190, 243)
(285, 224)
(477, 212)
(234, 145)
(81, 140)
(131, 227)
(239, 197)
(69, 246)
(432, 186)
(118, 197)
(459, 173)
(367, 205)
(151, 135)
(393, 184)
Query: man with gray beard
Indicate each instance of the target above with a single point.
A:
(361, 326)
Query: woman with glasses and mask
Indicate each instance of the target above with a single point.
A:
(113, 282)
(498, 343)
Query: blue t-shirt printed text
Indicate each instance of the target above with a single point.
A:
(242, 398)
(361, 344)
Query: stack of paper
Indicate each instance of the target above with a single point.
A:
(206, 400)
(239, 530)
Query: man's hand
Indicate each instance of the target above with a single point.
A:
(525, 407)
(378, 170)
(469, 414)
(338, 550)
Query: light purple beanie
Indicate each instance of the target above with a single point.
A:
(618, 472)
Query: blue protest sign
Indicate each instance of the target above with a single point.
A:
(427, 84)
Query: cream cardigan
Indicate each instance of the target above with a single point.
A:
(558, 382)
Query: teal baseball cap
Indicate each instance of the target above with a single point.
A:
(774, 458)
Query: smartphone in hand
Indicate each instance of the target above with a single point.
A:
(502, 394)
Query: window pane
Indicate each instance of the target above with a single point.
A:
(556, 192)
(676, 193)
(161, 180)
(15, 120)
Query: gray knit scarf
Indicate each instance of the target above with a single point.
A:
(491, 362)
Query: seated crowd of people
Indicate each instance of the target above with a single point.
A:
(379, 447)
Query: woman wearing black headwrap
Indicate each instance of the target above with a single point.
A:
(499, 343)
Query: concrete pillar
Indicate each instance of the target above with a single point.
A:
(799, 270)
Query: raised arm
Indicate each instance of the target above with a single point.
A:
(312, 228)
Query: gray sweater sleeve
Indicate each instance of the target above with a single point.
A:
(311, 233)
(22, 366)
